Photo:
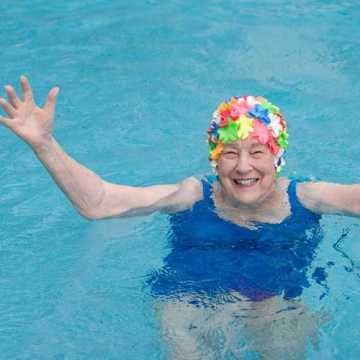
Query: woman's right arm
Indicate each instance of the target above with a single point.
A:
(93, 197)
(96, 198)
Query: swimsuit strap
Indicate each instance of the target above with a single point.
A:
(295, 203)
(293, 198)
(297, 208)
(207, 183)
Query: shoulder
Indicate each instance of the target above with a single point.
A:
(312, 195)
(305, 193)
(189, 191)
(283, 183)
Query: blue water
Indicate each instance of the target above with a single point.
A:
(139, 80)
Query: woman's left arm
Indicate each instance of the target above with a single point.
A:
(330, 198)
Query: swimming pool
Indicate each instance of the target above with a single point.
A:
(132, 76)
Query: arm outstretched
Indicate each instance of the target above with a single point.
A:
(92, 196)
(330, 198)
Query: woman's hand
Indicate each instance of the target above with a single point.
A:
(30, 122)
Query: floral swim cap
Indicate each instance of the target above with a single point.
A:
(248, 116)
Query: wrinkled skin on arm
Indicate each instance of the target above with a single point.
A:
(92, 196)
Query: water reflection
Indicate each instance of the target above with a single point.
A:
(231, 327)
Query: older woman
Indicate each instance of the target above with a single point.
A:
(240, 240)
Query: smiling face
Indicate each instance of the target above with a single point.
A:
(246, 116)
(247, 173)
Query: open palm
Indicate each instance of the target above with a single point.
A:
(30, 122)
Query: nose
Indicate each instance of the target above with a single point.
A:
(243, 165)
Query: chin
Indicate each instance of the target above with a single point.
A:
(247, 195)
(247, 200)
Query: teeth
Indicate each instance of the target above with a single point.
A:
(245, 181)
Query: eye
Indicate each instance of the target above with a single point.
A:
(230, 154)
(257, 152)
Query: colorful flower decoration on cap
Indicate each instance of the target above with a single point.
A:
(246, 116)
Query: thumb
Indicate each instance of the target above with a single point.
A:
(51, 100)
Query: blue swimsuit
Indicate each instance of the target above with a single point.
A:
(210, 255)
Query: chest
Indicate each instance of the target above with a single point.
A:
(247, 220)
(207, 230)
(273, 210)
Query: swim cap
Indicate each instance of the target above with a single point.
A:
(246, 116)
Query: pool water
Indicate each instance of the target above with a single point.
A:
(139, 81)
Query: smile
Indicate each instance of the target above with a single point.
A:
(246, 182)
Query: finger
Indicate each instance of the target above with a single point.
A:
(7, 107)
(13, 98)
(26, 88)
(5, 121)
(51, 100)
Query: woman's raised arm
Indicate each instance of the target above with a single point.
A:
(93, 197)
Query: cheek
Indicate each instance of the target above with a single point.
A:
(224, 167)
(268, 165)
(269, 172)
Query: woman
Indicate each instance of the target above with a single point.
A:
(264, 226)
